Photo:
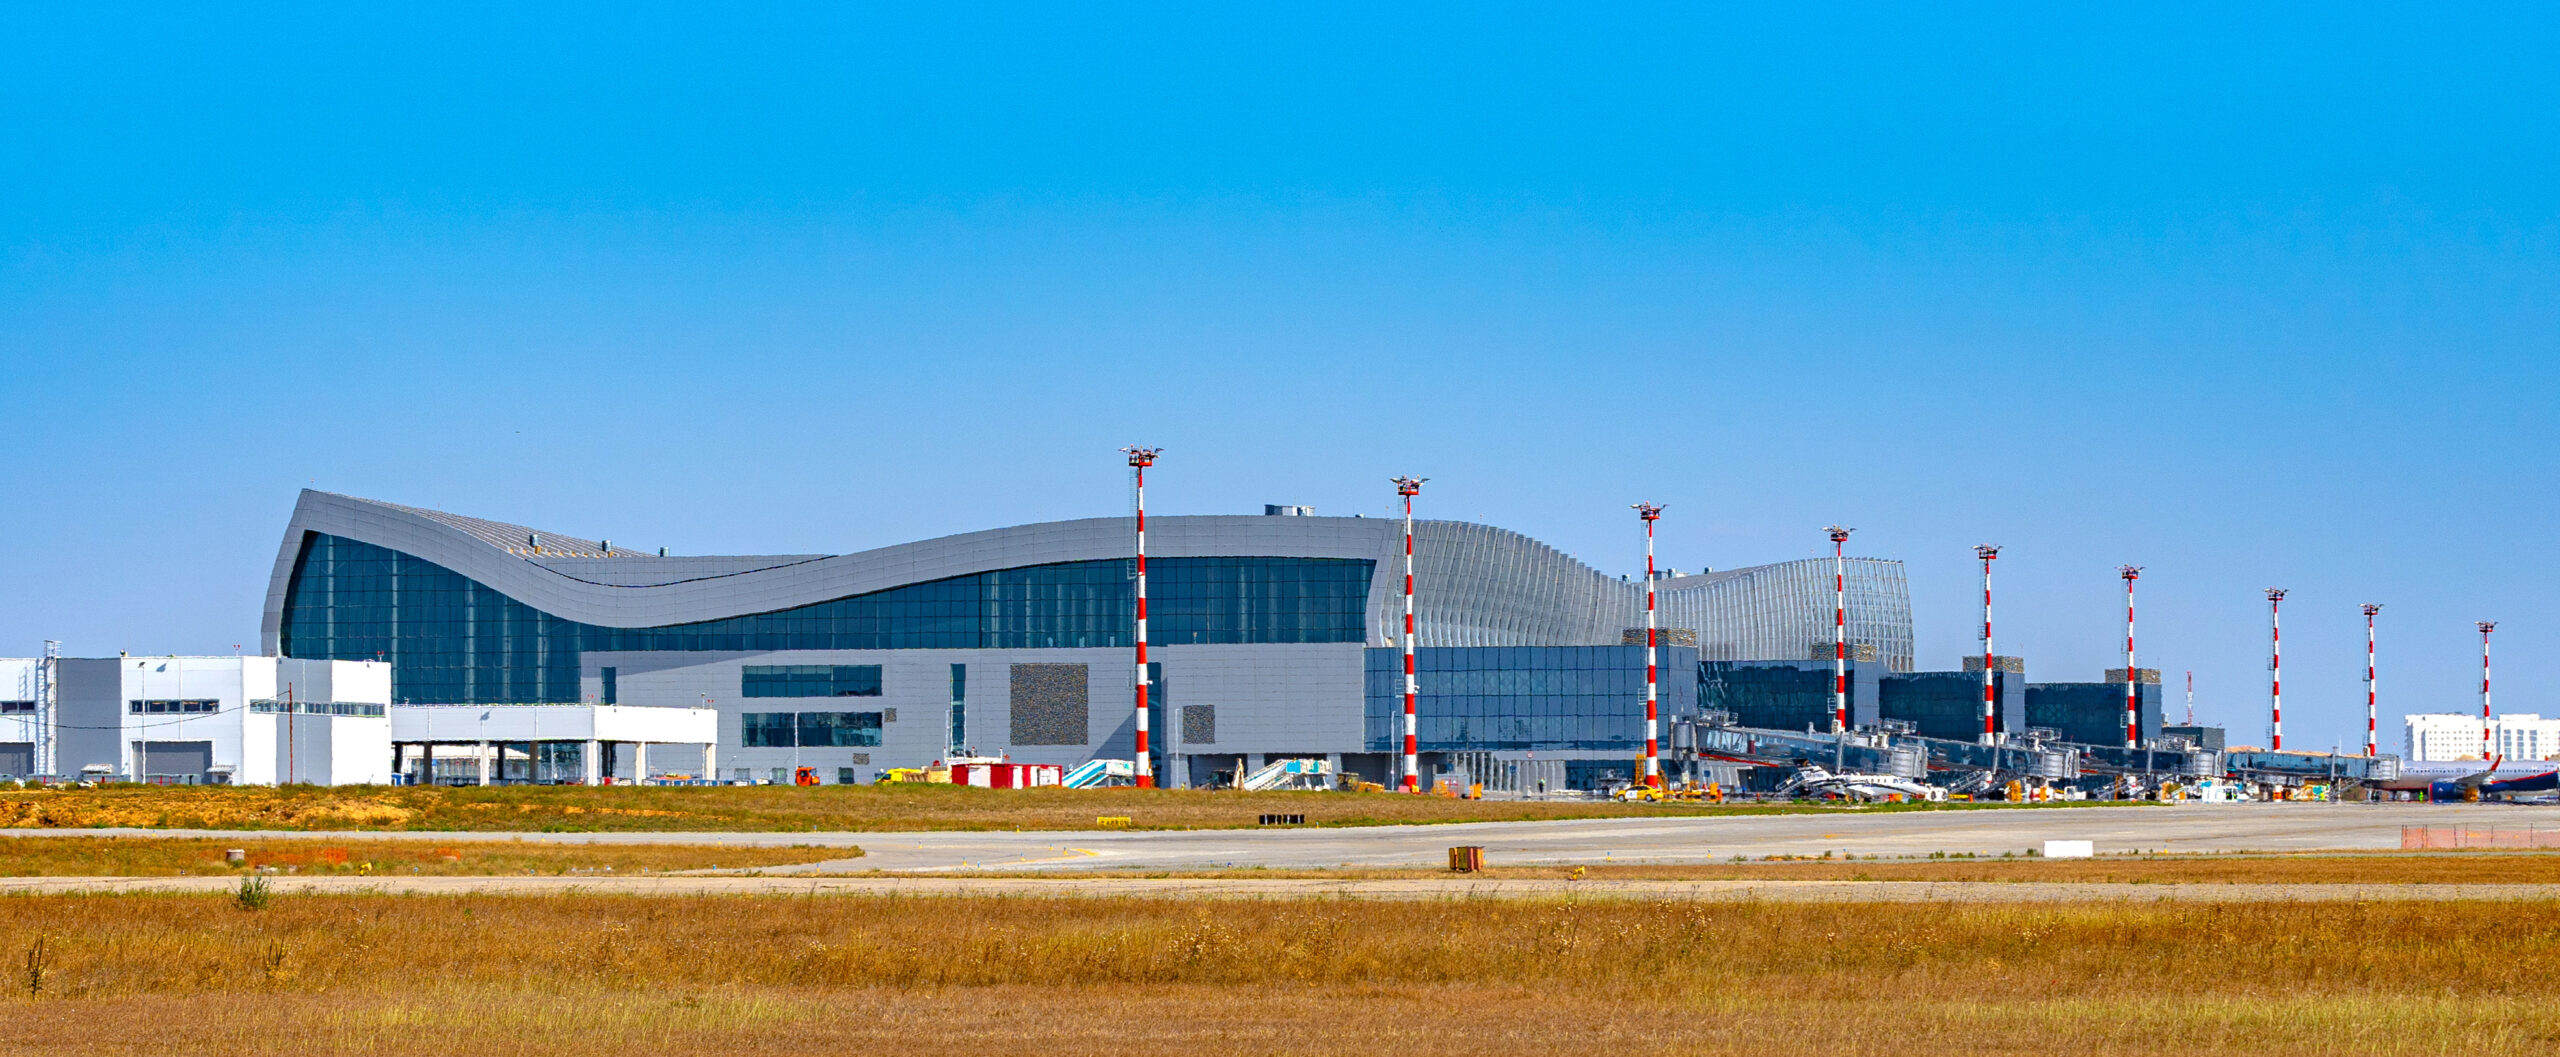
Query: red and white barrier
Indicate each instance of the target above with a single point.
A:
(1007, 775)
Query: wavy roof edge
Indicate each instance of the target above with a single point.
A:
(580, 582)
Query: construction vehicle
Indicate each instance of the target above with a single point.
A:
(804, 776)
(894, 775)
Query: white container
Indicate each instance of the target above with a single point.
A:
(2069, 849)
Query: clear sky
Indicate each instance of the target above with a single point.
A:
(2247, 297)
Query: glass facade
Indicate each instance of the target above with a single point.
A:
(2092, 713)
(1785, 611)
(1770, 695)
(783, 730)
(1597, 775)
(451, 639)
(1537, 698)
(1937, 704)
(809, 680)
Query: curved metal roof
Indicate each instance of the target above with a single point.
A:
(1497, 587)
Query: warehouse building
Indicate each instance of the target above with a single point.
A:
(199, 720)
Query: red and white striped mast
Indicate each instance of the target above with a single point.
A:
(2370, 713)
(1839, 629)
(2132, 675)
(1139, 460)
(2275, 668)
(1408, 487)
(2485, 626)
(1652, 763)
(1987, 552)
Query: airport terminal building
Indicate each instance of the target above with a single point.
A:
(1270, 634)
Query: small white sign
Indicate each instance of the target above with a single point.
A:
(2069, 849)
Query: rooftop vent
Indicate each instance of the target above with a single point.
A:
(1278, 510)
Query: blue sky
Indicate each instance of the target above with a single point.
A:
(2249, 298)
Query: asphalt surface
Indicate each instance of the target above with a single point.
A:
(1250, 888)
(2162, 828)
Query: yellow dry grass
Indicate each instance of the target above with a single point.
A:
(569, 976)
(87, 856)
(774, 808)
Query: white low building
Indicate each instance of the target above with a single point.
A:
(589, 744)
(192, 720)
(2445, 736)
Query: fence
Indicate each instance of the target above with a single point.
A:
(2438, 838)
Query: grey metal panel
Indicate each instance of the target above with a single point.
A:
(92, 699)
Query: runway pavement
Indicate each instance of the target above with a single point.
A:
(2168, 828)
(1255, 888)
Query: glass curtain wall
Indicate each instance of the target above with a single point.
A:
(451, 639)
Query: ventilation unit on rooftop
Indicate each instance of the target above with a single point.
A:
(1278, 510)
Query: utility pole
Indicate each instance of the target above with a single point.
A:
(1839, 629)
(1407, 488)
(1990, 708)
(2485, 626)
(142, 745)
(2132, 675)
(1650, 513)
(2275, 668)
(1139, 459)
(48, 675)
(2370, 711)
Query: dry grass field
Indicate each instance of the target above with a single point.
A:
(83, 856)
(576, 975)
(770, 808)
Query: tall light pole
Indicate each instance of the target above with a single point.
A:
(2132, 675)
(1650, 513)
(1987, 552)
(1407, 488)
(2485, 626)
(2370, 712)
(1839, 629)
(1139, 460)
(2275, 668)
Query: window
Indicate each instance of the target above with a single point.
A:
(155, 708)
(783, 730)
(765, 730)
(959, 740)
(451, 639)
(810, 680)
(844, 776)
(1539, 698)
(16, 706)
(608, 676)
(839, 728)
